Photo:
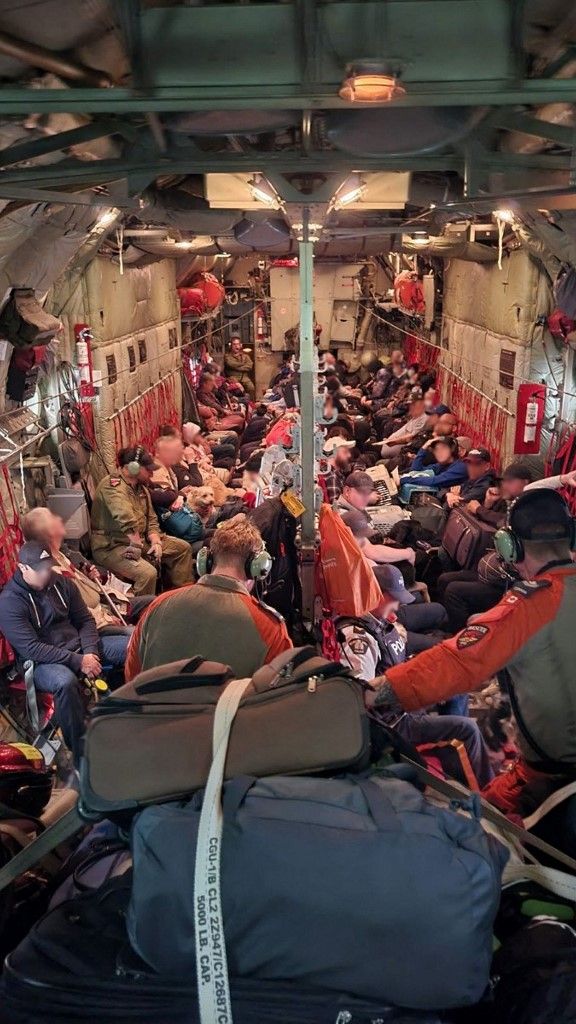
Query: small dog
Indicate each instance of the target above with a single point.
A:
(201, 501)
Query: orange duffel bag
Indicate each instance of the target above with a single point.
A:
(349, 582)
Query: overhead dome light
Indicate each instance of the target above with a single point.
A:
(371, 81)
(349, 192)
(420, 237)
(222, 255)
(264, 192)
(105, 219)
(504, 215)
(314, 232)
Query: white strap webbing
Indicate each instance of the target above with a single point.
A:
(560, 883)
(554, 800)
(211, 964)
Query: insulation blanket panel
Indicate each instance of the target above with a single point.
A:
(492, 314)
(503, 301)
(135, 320)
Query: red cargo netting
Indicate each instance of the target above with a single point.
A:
(478, 416)
(140, 420)
(561, 458)
(418, 350)
(11, 540)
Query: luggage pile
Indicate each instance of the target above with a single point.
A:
(273, 872)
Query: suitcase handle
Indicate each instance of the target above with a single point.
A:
(187, 679)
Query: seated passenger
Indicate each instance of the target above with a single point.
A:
(416, 422)
(40, 524)
(337, 452)
(499, 498)
(285, 372)
(372, 645)
(464, 593)
(187, 470)
(447, 471)
(126, 535)
(217, 617)
(207, 399)
(480, 477)
(530, 634)
(169, 503)
(46, 621)
(215, 456)
(239, 366)
(357, 494)
(376, 554)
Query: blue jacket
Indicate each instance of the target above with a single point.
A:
(50, 626)
(444, 476)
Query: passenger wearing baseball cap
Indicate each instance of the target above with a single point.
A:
(378, 555)
(357, 493)
(499, 497)
(337, 452)
(43, 617)
(480, 476)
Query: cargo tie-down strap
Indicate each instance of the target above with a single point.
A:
(211, 963)
(559, 882)
(58, 833)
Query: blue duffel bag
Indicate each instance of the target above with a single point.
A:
(183, 523)
(354, 885)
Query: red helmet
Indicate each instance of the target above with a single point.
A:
(25, 781)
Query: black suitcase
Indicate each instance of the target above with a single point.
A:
(466, 539)
(77, 965)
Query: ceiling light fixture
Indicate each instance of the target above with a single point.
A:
(371, 81)
(105, 219)
(264, 192)
(349, 192)
(420, 237)
(314, 232)
(222, 255)
(505, 215)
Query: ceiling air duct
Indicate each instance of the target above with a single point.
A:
(397, 131)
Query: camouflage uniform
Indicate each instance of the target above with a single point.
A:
(120, 509)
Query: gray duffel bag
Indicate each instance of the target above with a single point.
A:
(354, 885)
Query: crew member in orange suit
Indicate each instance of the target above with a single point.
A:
(530, 634)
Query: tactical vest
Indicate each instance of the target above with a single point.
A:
(391, 643)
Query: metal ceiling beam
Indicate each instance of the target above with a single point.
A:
(499, 93)
(517, 122)
(40, 195)
(29, 150)
(147, 167)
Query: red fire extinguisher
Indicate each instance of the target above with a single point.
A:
(260, 324)
(530, 402)
(83, 336)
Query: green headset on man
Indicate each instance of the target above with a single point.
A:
(256, 567)
(558, 525)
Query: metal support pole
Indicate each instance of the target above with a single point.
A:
(307, 392)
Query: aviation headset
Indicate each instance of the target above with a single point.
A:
(510, 544)
(134, 466)
(256, 567)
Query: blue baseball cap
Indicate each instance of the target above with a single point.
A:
(391, 580)
(438, 410)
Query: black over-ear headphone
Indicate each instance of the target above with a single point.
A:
(256, 567)
(510, 545)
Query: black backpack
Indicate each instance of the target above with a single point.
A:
(282, 589)
(535, 972)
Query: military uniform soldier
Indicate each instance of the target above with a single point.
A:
(125, 527)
